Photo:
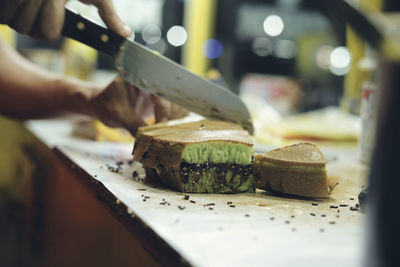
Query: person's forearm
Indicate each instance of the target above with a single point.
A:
(27, 91)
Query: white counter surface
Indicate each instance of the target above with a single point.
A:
(261, 230)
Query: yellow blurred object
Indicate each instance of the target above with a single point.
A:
(21, 162)
(12, 161)
(311, 44)
(329, 126)
(8, 35)
(96, 130)
(356, 76)
(213, 74)
(80, 59)
(199, 21)
(105, 133)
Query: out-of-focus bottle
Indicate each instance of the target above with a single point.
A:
(369, 110)
(354, 80)
(351, 98)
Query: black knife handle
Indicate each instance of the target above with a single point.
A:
(85, 31)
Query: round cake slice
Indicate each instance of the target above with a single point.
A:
(298, 169)
(205, 156)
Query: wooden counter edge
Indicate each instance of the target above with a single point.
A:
(151, 241)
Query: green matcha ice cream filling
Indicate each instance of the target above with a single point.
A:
(218, 152)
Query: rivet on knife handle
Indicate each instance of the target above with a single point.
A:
(85, 31)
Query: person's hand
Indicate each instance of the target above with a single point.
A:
(165, 110)
(125, 106)
(45, 18)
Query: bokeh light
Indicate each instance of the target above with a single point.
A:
(340, 59)
(177, 35)
(213, 48)
(322, 56)
(284, 49)
(273, 25)
(151, 33)
(261, 46)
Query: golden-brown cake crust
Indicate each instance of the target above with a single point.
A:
(297, 170)
(163, 143)
(306, 154)
(161, 149)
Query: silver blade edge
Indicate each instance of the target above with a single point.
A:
(161, 76)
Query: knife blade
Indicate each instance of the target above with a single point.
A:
(152, 72)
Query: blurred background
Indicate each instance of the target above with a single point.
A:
(304, 75)
(283, 57)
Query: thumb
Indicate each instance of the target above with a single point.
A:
(109, 15)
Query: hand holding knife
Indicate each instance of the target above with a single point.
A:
(158, 75)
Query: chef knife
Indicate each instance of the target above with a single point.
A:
(158, 75)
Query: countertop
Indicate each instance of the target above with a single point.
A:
(255, 230)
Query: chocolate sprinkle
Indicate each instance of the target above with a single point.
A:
(343, 205)
(351, 198)
(312, 214)
(323, 215)
(292, 216)
(333, 207)
(210, 208)
(357, 205)
(181, 207)
(271, 218)
(247, 215)
(353, 208)
(229, 203)
(113, 169)
(232, 206)
(209, 204)
(314, 204)
(192, 201)
(142, 189)
(186, 197)
(332, 222)
(287, 222)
